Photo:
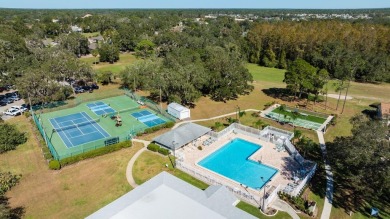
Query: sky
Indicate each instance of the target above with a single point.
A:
(301, 4)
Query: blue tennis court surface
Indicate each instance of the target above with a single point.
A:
(148, 118)
(77, 129)
(100, 108)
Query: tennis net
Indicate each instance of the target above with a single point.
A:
(76, 125)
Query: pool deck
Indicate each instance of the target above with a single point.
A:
(267, 155)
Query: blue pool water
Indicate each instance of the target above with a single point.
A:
(232, 162)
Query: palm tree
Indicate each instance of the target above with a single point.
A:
(258, 123)
(297, 134)
(294, 116)
(281, 108)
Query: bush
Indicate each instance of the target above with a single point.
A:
(10, 137)
(255, 114)
(334, 120)
(163, 151)
(27, 114)
(200, 148)
(54, 165)
(153, 147)
(95, 153)
(156, 128)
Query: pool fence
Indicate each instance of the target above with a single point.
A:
(242, 193)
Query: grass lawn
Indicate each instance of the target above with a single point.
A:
(150, 164)
(256, 212)
(125, 59)
(93, 34)
(73, 192)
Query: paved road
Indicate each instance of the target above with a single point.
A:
(329, 180)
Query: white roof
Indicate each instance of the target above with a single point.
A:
(177, 107)
(165, 196)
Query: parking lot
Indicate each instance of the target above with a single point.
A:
(5, 108)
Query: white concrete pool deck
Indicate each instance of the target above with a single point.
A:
(267, 155)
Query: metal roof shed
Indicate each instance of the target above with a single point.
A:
(178, 111)
(181, 136)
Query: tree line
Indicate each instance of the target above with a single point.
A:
(330, 45)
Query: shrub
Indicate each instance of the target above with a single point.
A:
(10, 137)
(200, 148)
(153, 147)
(334, 120)
(255, 114)
(163, 151)
(95, 153)
(27, 114)
(156, 128)
(54, 165)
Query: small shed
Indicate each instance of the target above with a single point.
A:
(178, 111)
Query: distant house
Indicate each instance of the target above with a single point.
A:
(49, 43)
(95, 39)
(87, 15)
(384, 111)
(55, 20)
(75, 28)
(165, 196)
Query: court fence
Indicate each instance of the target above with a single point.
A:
(151, 104)
(70, 152)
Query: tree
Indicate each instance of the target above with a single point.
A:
(74, 43)
(144, 49)
(319, 80)
(10, 137)
(105, 77)
(108, 53)
(361, 163)
(282, 109)
(95, 53)
(7, 181)
(297, 134)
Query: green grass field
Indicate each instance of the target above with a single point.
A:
(125, 59)
(119, 103)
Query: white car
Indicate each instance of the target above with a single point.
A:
(20, 108)
(12, 112)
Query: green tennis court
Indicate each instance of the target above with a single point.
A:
(105, 113)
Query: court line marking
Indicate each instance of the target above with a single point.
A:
(77, 127)
(65, 136)
(77, 136)
(93, 124)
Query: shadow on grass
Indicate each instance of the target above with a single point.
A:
(8, 212)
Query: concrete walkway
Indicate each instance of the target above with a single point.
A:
(129, 169)
(283, 206)
(329, 180)
(216, 117)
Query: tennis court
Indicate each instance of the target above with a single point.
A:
(100, 108)
(148, 118)
(77, 128)
(297, 122)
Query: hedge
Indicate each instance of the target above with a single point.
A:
(163, 151)
(95, 153)
(156, 128)
(54, 165)
(153, 147)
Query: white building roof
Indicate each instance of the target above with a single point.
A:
(165, 196)
(181, 136)
(177, 107)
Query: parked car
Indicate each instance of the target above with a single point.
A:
(9, 95)
(86, 88)
(2, 97)
(20, 108)
(94, 86)
(8, 100)
(15, 98)
(78, 90)
(12, 112)
(3, 103)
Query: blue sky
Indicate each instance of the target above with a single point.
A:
(320, 4)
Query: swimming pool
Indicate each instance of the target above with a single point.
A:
(232, 162)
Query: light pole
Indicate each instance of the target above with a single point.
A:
(174, 154)
(265, 184)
